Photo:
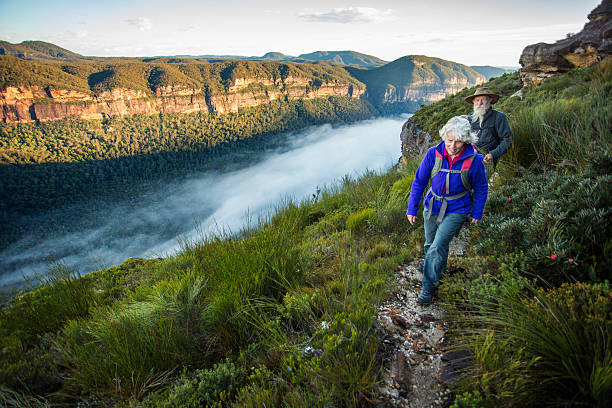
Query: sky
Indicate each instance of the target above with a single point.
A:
(466, 31)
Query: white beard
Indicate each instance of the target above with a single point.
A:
(480, 111)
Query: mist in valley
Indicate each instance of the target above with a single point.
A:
(224, 200)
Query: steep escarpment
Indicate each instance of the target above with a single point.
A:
(542, 61)
(409, 82)
(35, 91)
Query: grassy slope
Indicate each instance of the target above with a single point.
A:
(283, 314)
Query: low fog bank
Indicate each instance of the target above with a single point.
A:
(210, 202)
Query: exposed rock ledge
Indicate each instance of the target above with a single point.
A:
(542, 61)
(415, 141)
(34, 103)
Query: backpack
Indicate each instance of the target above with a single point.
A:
(465, 180)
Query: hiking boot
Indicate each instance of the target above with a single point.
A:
(425, 297)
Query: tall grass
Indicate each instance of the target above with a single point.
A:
(13, 399)
(567, 130)
(133, 348)
(556, 343)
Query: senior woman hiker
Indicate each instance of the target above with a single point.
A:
(458, 193)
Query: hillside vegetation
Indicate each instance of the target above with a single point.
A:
(531, 301)
(283, 314)
(150, 74)
(38, 50)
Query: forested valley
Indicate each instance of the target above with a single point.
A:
(49, 164)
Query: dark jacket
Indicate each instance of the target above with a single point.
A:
(463, 205)
(494, 134)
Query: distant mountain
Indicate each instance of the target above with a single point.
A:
(350, 58)
(493, 72)
(277, 56)
(38, 50)
(408, 82)
(43, 51)
(209, 56)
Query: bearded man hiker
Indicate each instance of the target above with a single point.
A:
(490, 126)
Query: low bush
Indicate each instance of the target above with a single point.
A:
(359, 220)
(213, 387)
(560, 222)
(540, 346)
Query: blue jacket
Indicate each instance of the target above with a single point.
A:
(463, 205)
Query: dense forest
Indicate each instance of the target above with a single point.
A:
(151, 74)
(49, 164)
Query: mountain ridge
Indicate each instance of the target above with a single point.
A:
(413, 80)
(95, 88)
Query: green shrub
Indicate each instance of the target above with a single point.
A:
(400, 191)
(29, 368)
(63, 295)
(469, 400)
(544, 346)
(348, 360)
(359, 220)
(302, 306)
(213, 387)
(557, 220)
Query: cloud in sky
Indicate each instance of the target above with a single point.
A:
(77, 33)
(348, 15)
(143, 23)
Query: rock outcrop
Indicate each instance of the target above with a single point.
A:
(415, 141)
(542, 61)
(34, 103)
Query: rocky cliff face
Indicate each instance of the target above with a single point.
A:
(415, 141)
(411, 81)
(542, 61)
(34, 103)
(421, 92)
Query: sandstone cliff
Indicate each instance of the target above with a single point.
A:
(542, 61)
(409, 82)
(35, 103)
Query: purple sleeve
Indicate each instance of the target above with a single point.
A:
(420, 182)
(480, 185)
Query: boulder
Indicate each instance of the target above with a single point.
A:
(542, 61)
(415, 141)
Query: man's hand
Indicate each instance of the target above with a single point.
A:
(412, 219)
(488, 158)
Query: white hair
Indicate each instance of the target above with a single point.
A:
(480, 111)
(460, 128)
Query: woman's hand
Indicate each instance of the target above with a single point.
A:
(411, 219)
(473, 220)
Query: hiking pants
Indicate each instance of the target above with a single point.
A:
(437, 241)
